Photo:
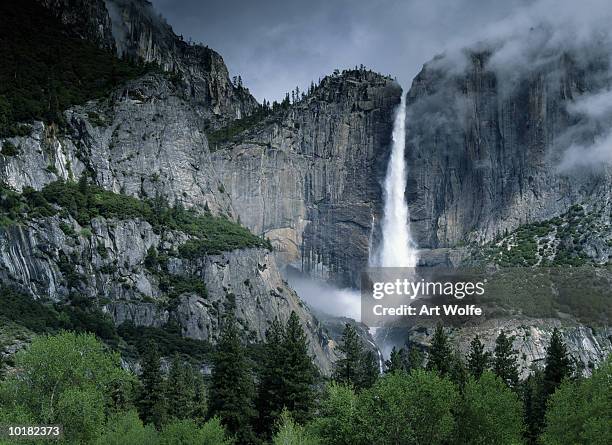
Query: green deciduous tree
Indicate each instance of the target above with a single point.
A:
(127, 428)
(232, 388)
(335, 424)
(65, 378)
(580, 412)
(187, 432)
(505, 364)
(489, 413)
(415, 408)
(288, 432)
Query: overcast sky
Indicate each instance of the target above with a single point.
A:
(278, 44)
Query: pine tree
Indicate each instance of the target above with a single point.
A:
(416, 358)
(183, 391)
(397, 361)
(478, 358)
(439, 359)
(270, 392)
(458, 373)
(152, 403)
(558, 365)
(369, 370)
(232, 389)
(346, 369)
(357, 367)
(300, 372)
(505, 364)
(534, 406)
(540, 385)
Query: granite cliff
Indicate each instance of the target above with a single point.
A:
(487, 150)
(309, 177)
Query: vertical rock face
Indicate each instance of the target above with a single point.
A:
(145, 141)
(107, 265)
(309, 178)
(485, 145)
(135, 31)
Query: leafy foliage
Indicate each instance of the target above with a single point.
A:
(490, 412)
(291, 433)
(67, 378)
(580, 411)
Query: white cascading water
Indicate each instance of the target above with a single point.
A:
(397, 248)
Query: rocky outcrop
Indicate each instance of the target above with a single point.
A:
(486, 145)
(586, 346)
(133, 30)
(309, 177)
(144, 141)
(106, 264)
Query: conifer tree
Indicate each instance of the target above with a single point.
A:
(458, 372)
(505, 364)
(416, 358)
(397, 361)
(534, 407)
(184, 391)
(152, 403)
(287, 376)
(369, 370)
(440, 356)
(541, 384)
(346, 368)
(300, 372)
(270, 392)
(478, 358)
(558, 364)
(232, 389)
(357, 367)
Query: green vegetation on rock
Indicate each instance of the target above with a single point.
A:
(83, 201)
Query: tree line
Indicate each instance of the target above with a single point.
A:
(438, 398)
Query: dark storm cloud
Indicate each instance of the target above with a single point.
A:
(278, 44)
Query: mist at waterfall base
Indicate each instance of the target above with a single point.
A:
(326, 298)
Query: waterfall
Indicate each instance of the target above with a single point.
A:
(397, 248)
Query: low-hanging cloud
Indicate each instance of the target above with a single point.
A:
(276, 45)
(596, 155)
